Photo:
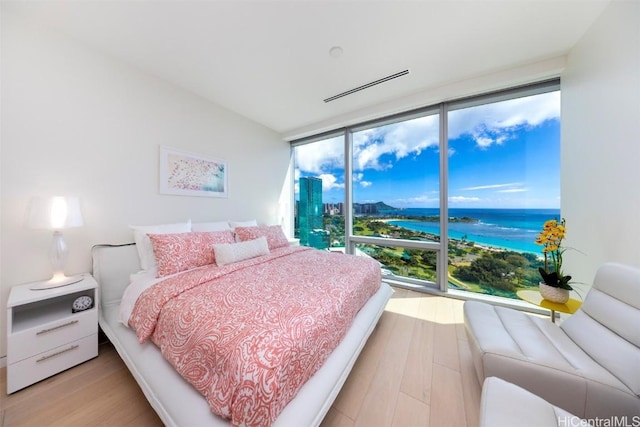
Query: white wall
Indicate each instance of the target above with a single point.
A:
(600, 143)
(75, 122)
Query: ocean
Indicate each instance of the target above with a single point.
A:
(513, 229)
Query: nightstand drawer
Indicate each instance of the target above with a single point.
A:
(44, 365)
(44, 337)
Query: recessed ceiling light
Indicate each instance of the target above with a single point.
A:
(335, 52)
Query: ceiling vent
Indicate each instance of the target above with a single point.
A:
(368, 85)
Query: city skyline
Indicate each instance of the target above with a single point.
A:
(501, 155)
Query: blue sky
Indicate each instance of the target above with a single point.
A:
(501, 155)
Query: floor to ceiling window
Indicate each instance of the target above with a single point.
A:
(504, 183)
(320, 192)
(395, 170)
(451, 196)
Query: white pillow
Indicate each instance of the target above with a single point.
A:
(143, 244)
(234, 252)
(210, 226)
(250, 223)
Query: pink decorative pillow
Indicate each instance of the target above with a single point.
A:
(179, 252)
(274, 234)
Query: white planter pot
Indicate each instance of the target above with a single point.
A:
(552, 294)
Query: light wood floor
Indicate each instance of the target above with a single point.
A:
(415, 370)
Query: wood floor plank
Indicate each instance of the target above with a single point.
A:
(336, 418)
(380, 399)
(410, 412)
(470, 385)
(122, 395)
(445, 336)
(416, 380)
(447, 398)
(349, 400)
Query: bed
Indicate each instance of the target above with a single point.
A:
(176, 401)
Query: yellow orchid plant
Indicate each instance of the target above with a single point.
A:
(550, 238)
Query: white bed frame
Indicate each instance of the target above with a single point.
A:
(174, 399)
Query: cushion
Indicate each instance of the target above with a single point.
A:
(210, 226)
(179, 252)
(234, 252)
(274, 234)
(250, 223)
(143, 244)
(506, 404)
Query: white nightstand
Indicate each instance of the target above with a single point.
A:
(44, 336)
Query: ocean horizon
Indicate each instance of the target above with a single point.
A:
(511, 229)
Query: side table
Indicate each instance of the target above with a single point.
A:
(45, 335)
(534, 297)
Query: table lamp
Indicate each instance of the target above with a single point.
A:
(57, 214)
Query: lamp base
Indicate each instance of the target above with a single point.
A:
(56, 282)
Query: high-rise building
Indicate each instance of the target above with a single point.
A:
(310, 208)
(319, 238)
(334, 208)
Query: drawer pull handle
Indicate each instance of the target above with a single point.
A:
(43, 358)
(44, 331)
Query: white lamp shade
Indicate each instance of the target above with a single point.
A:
(55, 213)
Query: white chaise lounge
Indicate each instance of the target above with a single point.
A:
(588, 366)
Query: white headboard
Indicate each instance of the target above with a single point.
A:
(112, 266)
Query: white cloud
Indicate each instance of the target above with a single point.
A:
(489, 124)
(358, 177)
(495, 123)
(398, 140)
(483, 142)
(422, 200)
(321, 156)
(463, 199)
(493, 186)
(513, 190)
(511, 187)
(329, 182)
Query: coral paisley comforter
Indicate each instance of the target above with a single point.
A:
(248, 335)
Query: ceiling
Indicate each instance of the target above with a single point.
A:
(270, 61)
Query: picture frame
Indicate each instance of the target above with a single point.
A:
(184, 173)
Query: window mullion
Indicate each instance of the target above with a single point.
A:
(348, 191)
(443, 257)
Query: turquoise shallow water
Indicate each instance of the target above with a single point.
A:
(514, 229)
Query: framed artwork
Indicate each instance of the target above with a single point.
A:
(190, 174)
